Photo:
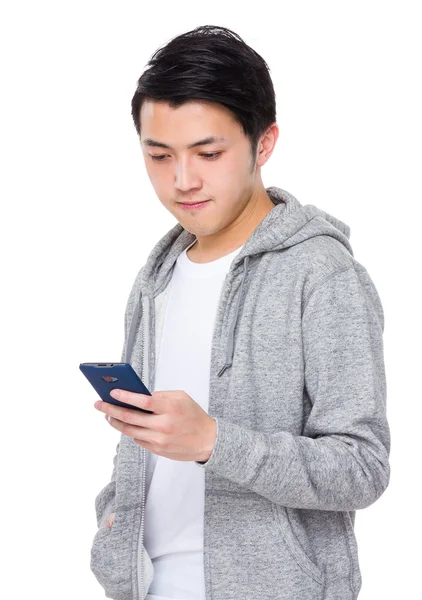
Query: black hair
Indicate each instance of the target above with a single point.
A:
(214, 64)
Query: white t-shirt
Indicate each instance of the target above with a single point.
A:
(174, 509)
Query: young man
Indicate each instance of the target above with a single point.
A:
(259, 336)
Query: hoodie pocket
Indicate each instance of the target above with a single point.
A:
(247, 554)
(111, 555)
(294, 547)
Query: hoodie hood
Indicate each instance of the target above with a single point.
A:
(287, 224)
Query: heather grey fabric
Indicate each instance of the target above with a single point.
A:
(298, 391)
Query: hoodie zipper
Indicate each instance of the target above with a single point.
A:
(145, 378)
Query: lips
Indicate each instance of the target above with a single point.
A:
(193, 206)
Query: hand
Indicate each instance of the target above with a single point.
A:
(179, 428)
(109, 521)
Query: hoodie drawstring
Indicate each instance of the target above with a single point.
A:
(133, 326)
(230, 341)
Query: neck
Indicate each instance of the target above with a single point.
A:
(234, 235)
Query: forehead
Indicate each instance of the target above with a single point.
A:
(187, 123)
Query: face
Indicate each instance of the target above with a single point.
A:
(219, 171)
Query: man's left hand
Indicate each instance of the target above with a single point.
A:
(179, 428)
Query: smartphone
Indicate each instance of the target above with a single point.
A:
(104, 377)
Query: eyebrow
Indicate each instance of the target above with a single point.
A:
(208, 140)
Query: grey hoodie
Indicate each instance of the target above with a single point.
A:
(298, 390)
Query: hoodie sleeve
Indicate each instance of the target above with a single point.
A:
(341, 460)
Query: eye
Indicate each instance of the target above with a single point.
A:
(208, 156)
(211, 155)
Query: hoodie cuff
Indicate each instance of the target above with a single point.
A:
(238, 452)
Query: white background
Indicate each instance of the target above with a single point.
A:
(79, 218)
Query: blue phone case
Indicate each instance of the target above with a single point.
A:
(104, 377)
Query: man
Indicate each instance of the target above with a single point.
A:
(259, 336)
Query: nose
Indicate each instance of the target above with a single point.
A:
(186, 177)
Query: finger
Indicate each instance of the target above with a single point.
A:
(141, 433)
(110, 520)
(140, 400)
(128, 415)
(150, 447)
